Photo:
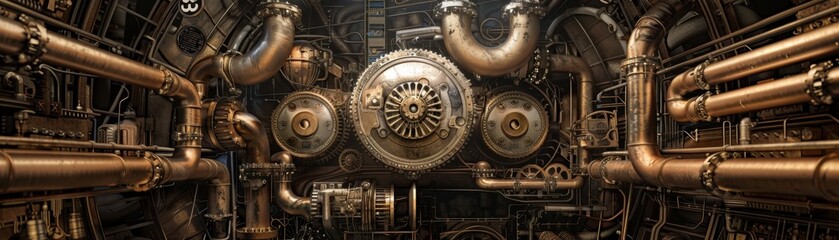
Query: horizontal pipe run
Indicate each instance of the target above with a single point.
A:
(787, 91)
(548, 184)
(56, 143)
(818, 43)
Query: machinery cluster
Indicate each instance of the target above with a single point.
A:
(414, 119)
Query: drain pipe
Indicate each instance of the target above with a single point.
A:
(284, 196)
(263, 60)
(495, 61)
(484, 178)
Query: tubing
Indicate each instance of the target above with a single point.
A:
(791, 90)
(258, 199)
(485, 181)
(495, 61)
(585, 88)
(284, 196)
(716, 173)
(263, 60)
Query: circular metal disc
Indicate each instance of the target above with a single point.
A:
(514, 125)
(412, 109)
(306, 124)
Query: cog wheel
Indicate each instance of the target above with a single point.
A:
(412, 110)
(514, 125)
(307, 125)
(558, 171)
(531, 171)
(350, 160)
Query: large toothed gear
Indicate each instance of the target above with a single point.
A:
(514, 125)
(220, 130)
(307, 125)
(412, 109)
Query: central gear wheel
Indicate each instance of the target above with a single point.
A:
(413, 110)
(307, 125)
(514, 125)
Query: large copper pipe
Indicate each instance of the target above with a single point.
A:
(640, 66)
(494, 61)
(71, 53)
(585, 88)
(27, 170)
(218, 195)
(490, 183)
(258, 199)
(814, 44)
(263, 60)
(798, 176)
(775, 93)
(284, 196)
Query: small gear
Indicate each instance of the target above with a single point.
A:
(558, 171)
(514, 125)
(350, 160)
(531, 171)
(307, 125)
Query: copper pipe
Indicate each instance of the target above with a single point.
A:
(71, 53)
(548, 184)
(490, 61)
(798, 176)
(57, 143)
(770, 94)
(28, 170)
(641, 112)
(614, 170)
(284, 196)
(794, 176)
(585, 88)
(258, 200)
(765, 147)
(218, 195)
(810, 45)
(263, 60)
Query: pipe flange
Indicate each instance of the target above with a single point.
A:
(643, 62)
(706, 174)
(456, 7)
(36, 41)
(539, 72)
(168, 81)
(257, 232)
(816, 80)
(156, 176)
(603, 173)
(526, 7)
(700, 106)
(279, 8)
(699, 76)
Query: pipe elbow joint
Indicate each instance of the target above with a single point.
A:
(495, 61)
